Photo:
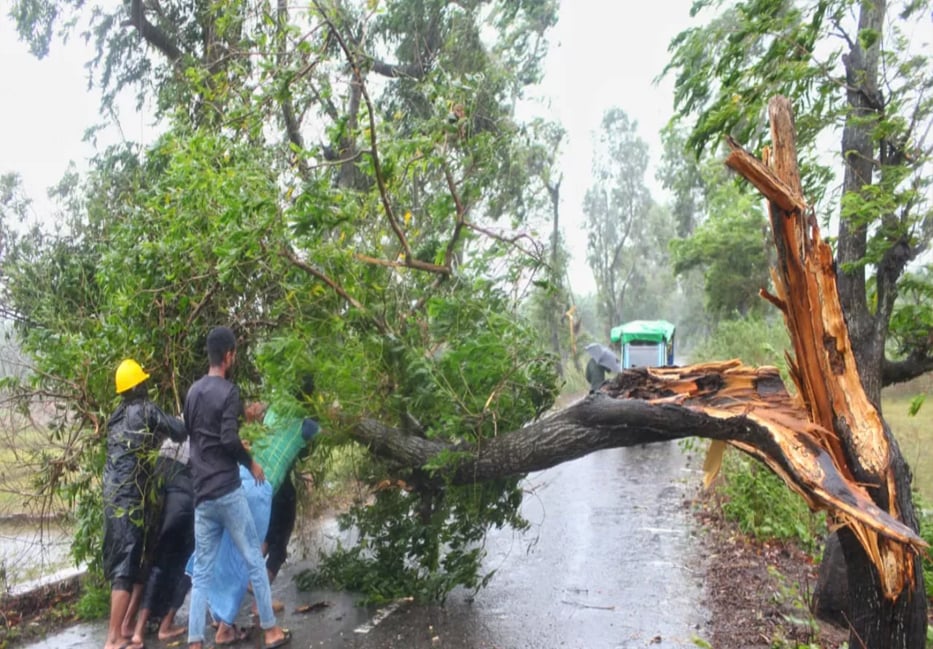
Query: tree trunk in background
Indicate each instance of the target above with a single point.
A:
(887, 602)
(555, 308)
(866, 330)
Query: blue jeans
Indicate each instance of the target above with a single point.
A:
(211, 518)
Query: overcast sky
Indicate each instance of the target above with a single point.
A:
(603, 54)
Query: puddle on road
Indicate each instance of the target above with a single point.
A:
(32, 554)
(81, 636)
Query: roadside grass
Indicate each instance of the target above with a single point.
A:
(913, 432)
(763, 507)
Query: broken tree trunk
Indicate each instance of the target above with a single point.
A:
(828, 442)
(748, 407)
(887, 603)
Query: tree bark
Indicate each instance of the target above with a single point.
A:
(746, 406)
(553, 303)
(887, 602)
(152, 34)
(865, 105)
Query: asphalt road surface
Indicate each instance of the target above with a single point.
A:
(609, 562)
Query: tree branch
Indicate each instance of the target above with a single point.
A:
(745, 406)
(899, 371)
(396, 70)
(152, 34)
(511, 241)
(374, 153)
(334, 286)
(292, 126)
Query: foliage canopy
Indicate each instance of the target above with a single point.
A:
(347, 187)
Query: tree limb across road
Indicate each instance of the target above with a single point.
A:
(747, 407)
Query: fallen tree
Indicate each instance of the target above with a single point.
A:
(829, 443)
(747, 407)
(330, 247)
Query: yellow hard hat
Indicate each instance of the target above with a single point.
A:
(129, 375)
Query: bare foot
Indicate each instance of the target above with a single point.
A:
(171, 632)
(123, 643)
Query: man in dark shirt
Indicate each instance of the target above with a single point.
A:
(212, 413)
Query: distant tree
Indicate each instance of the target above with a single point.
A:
(679, 173)
(617, 206)
(550, 300)
(730, 246)
(654, 292)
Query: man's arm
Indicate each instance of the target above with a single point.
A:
(165, 425)
(230, 429)
(230, 436)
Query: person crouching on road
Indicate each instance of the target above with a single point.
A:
(212, 416)
(134, 432)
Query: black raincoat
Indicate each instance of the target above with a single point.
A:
(134, 432)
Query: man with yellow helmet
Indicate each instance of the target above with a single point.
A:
(134, 432)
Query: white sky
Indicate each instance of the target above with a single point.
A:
(45, 109)
(603, 54)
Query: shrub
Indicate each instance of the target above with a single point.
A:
(94, 602)
(763, 507)
(925, 516)
(754, 340)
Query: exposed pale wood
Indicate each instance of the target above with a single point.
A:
(824, 366)
(748, 407)
(770, 185)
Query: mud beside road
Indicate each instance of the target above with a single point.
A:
(758, 593)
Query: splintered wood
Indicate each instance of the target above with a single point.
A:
(775, 428)
(843, 420)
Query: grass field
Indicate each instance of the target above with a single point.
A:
(20, 448)
(25, 444)
(914, 434)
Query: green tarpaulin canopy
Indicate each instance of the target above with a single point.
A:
(649, 331)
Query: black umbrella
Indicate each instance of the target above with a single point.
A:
(604, 356)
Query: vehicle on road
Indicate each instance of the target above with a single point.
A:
(645, 343)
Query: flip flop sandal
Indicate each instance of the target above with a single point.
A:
(281, 643)
(239, 635)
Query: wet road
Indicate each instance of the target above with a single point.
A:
(609, 562)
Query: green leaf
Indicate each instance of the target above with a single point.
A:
(915, 404)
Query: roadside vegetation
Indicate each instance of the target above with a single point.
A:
(758, 503)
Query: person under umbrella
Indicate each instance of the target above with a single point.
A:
(602, 360)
